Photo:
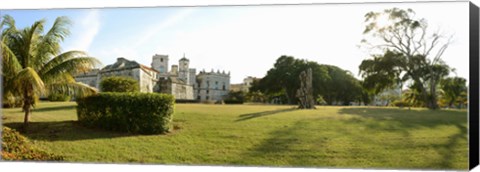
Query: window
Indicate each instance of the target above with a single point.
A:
(207, 97)
(198, 97)
(223, 87)
(207, 91)
(161, 59)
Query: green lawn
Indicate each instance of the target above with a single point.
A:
(262, 135)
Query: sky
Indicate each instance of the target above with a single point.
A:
(244, 40)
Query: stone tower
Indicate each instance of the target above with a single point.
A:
(183, 72)
(160, 63)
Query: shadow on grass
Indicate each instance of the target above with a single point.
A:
(56, 108)
(406, 121)
(447, 151)
(282, 148)
(248, 116)
(63, 131)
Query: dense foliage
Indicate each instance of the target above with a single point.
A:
(17, 147)
(235, 97)
(335, 85)
(404, 52)
(144, 113)
(454, 91)
(119, 84)
(33, 63)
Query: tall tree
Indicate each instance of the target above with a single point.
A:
(404, 51)
(330, 82)
(33, 64)
(452, 88)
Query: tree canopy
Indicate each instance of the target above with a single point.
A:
(404, 51)
(330, 82)
(453, 88)
(34, 65)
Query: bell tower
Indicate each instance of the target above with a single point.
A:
(160, 63)
(183, 72)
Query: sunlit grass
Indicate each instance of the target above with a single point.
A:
(264, 135)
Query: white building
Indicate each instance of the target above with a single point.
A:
(244, 86)
(212, 86)
(146, 77)
(181, 81)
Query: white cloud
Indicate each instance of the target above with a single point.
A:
(156, 29)
(85, 31)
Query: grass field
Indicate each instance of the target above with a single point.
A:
(263, 135)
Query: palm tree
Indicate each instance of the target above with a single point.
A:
(34, 66)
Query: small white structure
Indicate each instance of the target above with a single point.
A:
(244, 86)
(212, 86)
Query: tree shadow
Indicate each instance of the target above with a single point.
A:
(407, 121)
(56, 108)
(282, 146)
(448, 150)
(249, 116)
(65, 131)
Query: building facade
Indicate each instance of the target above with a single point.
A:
(146, 77)
(212, 86)
(181, 81)
(244, 86)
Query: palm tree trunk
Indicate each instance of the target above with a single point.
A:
(26, 108)
(26, 118)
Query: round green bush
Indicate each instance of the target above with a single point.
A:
(119, 84)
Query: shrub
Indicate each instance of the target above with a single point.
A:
(400, 103)
(119, 84)
(11, 101)
(56, 97)
(186, 101)
(17, 147)
(144, 113)
(233, 101)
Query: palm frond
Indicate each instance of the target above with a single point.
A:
(77, 89)
(10, 64)
(49, 44)
(28, 77)
(60, 59)
(70, 66)
(25, 43)
(8, 22)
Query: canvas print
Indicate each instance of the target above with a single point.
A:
(374, 85)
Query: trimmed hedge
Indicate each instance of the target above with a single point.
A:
(17, 147)
(144, 113)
